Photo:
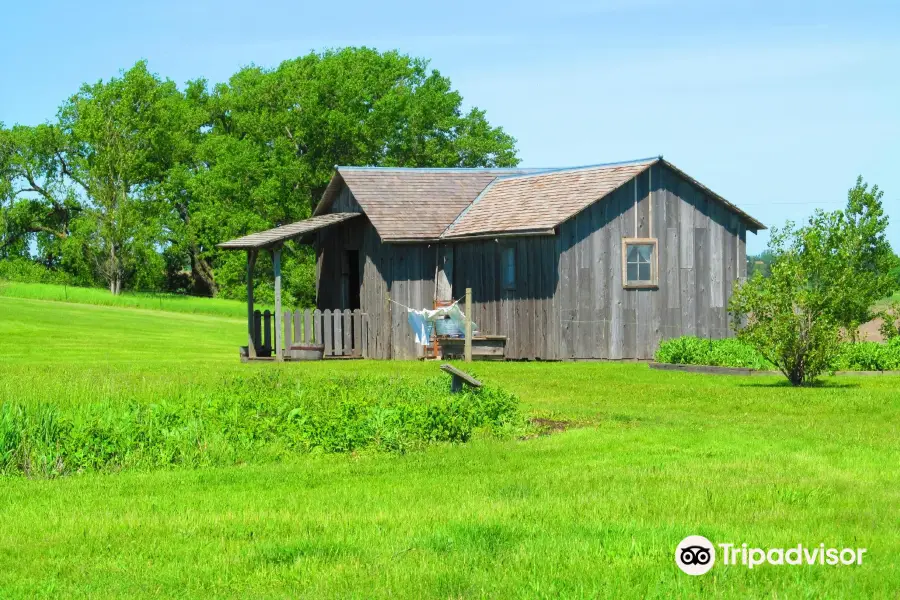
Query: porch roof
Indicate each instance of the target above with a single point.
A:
(273, 237)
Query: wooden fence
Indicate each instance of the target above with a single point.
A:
(343, 333)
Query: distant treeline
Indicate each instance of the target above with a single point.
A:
(135, 180)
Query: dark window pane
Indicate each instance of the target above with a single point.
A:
(509, 268)
(632, 272)
(644, 272)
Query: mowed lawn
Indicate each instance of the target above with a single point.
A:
(648, 458)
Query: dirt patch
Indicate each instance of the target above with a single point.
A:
(869, 332)
(548, 426)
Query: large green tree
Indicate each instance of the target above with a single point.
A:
(137, 181)
(122, 137)
(274, 136)
(37, 203)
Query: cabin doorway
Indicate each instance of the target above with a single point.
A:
(351, 279)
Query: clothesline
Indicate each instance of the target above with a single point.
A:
(457, 301)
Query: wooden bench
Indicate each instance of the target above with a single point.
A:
(459, 378)
(484, 347)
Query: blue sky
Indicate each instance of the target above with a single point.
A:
(775, 105)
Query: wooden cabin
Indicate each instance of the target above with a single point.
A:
(597, 262)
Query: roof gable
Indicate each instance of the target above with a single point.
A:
(410, 204)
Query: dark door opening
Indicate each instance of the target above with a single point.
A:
(353, 279)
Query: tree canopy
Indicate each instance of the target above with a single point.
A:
(824, 279)
(135, 181)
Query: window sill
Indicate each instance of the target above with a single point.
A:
(641, 286)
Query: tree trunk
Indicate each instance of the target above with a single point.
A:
(204, 282)
(114, 272)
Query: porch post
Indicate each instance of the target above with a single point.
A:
(279, 336)
(251, 263)
(467, 348)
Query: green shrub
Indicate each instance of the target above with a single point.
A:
(28, 271)
(729, 352)
(259, 418)
(868, 356)
(851, 356)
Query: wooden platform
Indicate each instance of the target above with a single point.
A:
(484, 347)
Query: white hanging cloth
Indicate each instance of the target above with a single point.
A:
(418, 320)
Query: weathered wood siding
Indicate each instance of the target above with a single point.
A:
(568, 301)
(403, 273)
(523, 314)
(702, 250)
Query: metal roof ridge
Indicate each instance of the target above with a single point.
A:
(444, 169)
(555, 171)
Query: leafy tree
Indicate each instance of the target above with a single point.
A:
(761, 262)
(780, 315)
(848, 257)
(274, 136)
(824, 277)
(38, 204)
(136, 182)
(122, 136)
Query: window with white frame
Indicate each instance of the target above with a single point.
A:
(509, 268)
(639, 262)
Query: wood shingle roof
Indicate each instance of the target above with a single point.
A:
(412, 204)
(541, 201)
(272, 237)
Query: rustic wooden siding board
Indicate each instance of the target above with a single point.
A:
(598, 266)
(716, 243)
(618, 229)
(730, 243)
(584, 330)
(702, 278)
(687, 209)
(643, 207)
(659, 297)
(569, 296)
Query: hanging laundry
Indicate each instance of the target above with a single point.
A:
(416, 320)
(422, 321)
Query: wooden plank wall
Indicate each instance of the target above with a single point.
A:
(523, 314)
(702, 250)
(403, 272)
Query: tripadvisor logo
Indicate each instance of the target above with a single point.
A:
(696, 555)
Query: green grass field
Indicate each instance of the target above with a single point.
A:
(102, 297)
(648, 458)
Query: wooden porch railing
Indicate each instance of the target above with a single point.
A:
(342, 332)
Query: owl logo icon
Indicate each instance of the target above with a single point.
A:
(695, 555)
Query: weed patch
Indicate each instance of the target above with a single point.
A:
(250, 419)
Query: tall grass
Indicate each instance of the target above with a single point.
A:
(143, 300)
(248, 419)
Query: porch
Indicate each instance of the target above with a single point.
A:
(272, 334)
(341, 334)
